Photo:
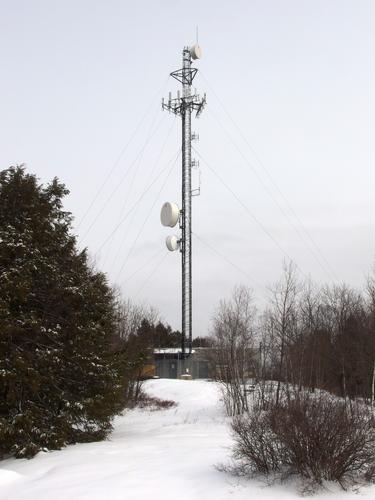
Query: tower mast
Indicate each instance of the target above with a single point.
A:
(183, 106)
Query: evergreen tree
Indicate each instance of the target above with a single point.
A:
(59, 380)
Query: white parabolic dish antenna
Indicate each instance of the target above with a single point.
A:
(172, 243)
(169, 215)
(196, 52)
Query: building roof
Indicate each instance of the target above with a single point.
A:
(170, 350)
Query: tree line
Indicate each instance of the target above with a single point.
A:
(315, 337)
(298, 379)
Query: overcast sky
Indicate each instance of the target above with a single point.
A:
(287, 137)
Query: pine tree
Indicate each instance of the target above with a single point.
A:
(59, 380)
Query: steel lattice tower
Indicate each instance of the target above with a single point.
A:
(183, 106)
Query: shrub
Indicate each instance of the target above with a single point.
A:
(317, 437)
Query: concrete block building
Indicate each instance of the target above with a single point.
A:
(170, 364)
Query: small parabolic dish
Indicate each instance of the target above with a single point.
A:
(196, 52)
(172, 243)
(169, 215)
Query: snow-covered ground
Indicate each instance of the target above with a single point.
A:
(160, 455)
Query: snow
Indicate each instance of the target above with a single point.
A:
(170, 350)
(158, 455)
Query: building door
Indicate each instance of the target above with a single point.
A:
(173, 369)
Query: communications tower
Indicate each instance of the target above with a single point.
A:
(184, 105)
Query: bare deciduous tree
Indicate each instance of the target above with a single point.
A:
(134, 341)
(131, 315)
(234, 340)
(284, 318)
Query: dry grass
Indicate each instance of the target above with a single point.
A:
(152, 403)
